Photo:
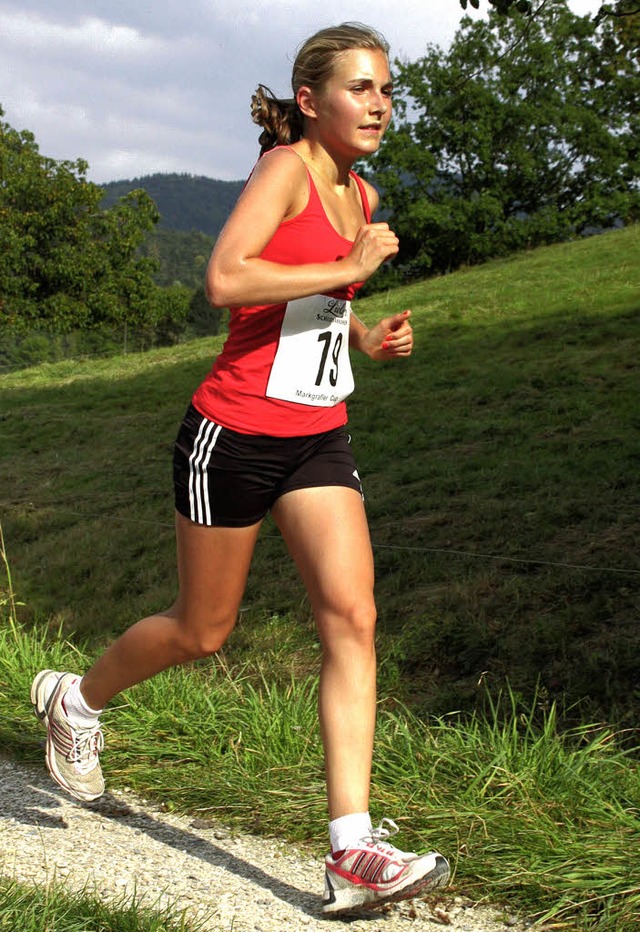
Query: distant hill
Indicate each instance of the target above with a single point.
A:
(185, 202)
(181, 257)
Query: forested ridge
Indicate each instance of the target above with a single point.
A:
(185, 202)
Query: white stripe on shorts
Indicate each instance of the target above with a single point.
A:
(199, 506)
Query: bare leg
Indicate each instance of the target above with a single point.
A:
(213, 564)
(327, 534)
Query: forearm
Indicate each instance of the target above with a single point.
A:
(256, 281)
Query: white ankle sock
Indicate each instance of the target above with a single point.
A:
(76, 707)
(348, 829)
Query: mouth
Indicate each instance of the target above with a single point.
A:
(371, 128)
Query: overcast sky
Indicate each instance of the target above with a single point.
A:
(135, 87)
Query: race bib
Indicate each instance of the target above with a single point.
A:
(312, 364)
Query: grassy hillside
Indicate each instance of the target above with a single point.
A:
(500, 466)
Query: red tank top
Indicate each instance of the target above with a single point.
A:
(238, 392)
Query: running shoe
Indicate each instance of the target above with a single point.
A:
(72, 751)
(373, 872)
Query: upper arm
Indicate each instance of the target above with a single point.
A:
(372, 196)
(277, 189)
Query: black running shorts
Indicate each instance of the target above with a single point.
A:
(226, 479)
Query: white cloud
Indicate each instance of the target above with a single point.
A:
(34, 33)
(134, 88)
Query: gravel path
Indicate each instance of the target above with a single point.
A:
(241, 883)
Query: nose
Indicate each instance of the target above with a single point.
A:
(379, 104)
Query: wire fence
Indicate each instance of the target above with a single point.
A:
(446, 551)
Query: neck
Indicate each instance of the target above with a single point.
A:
(331, 168)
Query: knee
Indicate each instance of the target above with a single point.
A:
(205, 643)
(363, 620)
(356, 623)
(200, 636)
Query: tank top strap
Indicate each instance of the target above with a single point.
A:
(315, 201)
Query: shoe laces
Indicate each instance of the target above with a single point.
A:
(378, 836)
(87, 744)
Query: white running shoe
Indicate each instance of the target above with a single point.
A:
(72, 751)
(373, 872)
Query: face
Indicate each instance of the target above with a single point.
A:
(352, 111)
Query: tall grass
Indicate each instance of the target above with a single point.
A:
(28, 909)
(545, 820)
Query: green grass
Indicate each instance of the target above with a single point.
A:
(545, 820)
(500, 467)
(52, 909)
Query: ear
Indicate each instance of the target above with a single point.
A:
(305, 98)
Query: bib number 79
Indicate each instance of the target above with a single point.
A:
(326, 338)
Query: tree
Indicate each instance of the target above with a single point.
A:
(525, 131)
(64, 262)
(620, 8)
(501, 6)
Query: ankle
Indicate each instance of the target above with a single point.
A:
(77, 708)
(347, 830)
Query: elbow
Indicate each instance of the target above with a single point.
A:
(214, 289)
(221, 285)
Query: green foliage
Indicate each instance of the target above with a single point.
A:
(501, 6)
(185, 202)
(77, 278)
(524, 132)
(181, 260)
(180, 314)
(64, 262)
(179, 257)
(619, 8)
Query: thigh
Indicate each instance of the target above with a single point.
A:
(213, 564)
(327, 535)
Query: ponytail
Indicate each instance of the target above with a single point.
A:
(280, 119)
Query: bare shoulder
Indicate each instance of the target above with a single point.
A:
(279, 173)
(282, 158)
(276, 190)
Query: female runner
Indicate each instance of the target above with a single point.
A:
(265, 432)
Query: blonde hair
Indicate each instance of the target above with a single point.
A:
(280, 118)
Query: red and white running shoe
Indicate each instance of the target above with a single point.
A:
(373, 872)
